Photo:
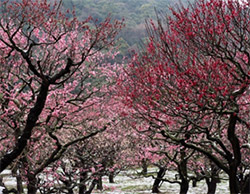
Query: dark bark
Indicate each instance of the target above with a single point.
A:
(182, 168)
(211, 185)
(82, 186)
(213, 180)
(92, 186)
(233, 182)
(32, 183)
(111, 177)
(194, 183)
(70, 191)
(68, 185)
(99, 184)
(198, 149)
(33, 116)
(184, 186)
(160, 175)
(19, 182)
(235, 161)
(246, 185)
(144, 167)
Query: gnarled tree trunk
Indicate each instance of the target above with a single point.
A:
(158, 180)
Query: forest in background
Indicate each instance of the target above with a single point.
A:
(135, 12)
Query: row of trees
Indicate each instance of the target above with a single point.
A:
(55, 95)
(69, 117)
(191, 84)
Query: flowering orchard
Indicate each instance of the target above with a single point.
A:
(192, 84)
(68, 117)
(54, 85)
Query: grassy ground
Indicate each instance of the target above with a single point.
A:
(131, 185)
(129, 182)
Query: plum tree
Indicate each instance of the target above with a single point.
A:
(54, 82)
(192, 82)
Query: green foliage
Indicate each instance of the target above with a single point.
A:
(133, 11)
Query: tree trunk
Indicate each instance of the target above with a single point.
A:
(70, 191)
(184, 186)
(144, 167)
(99, 184)
(158, 179)
(92, 186)
(182, 168)
(211, 185)
(194, 183)
(246, 185)
(32, 118)
(213, 180)
(236, 159)
(111, 177)
(233, 182)
(82, 186)
(32, 184)
(19, 183)
(68, 186)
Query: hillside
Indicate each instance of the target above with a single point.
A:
(135, 12)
